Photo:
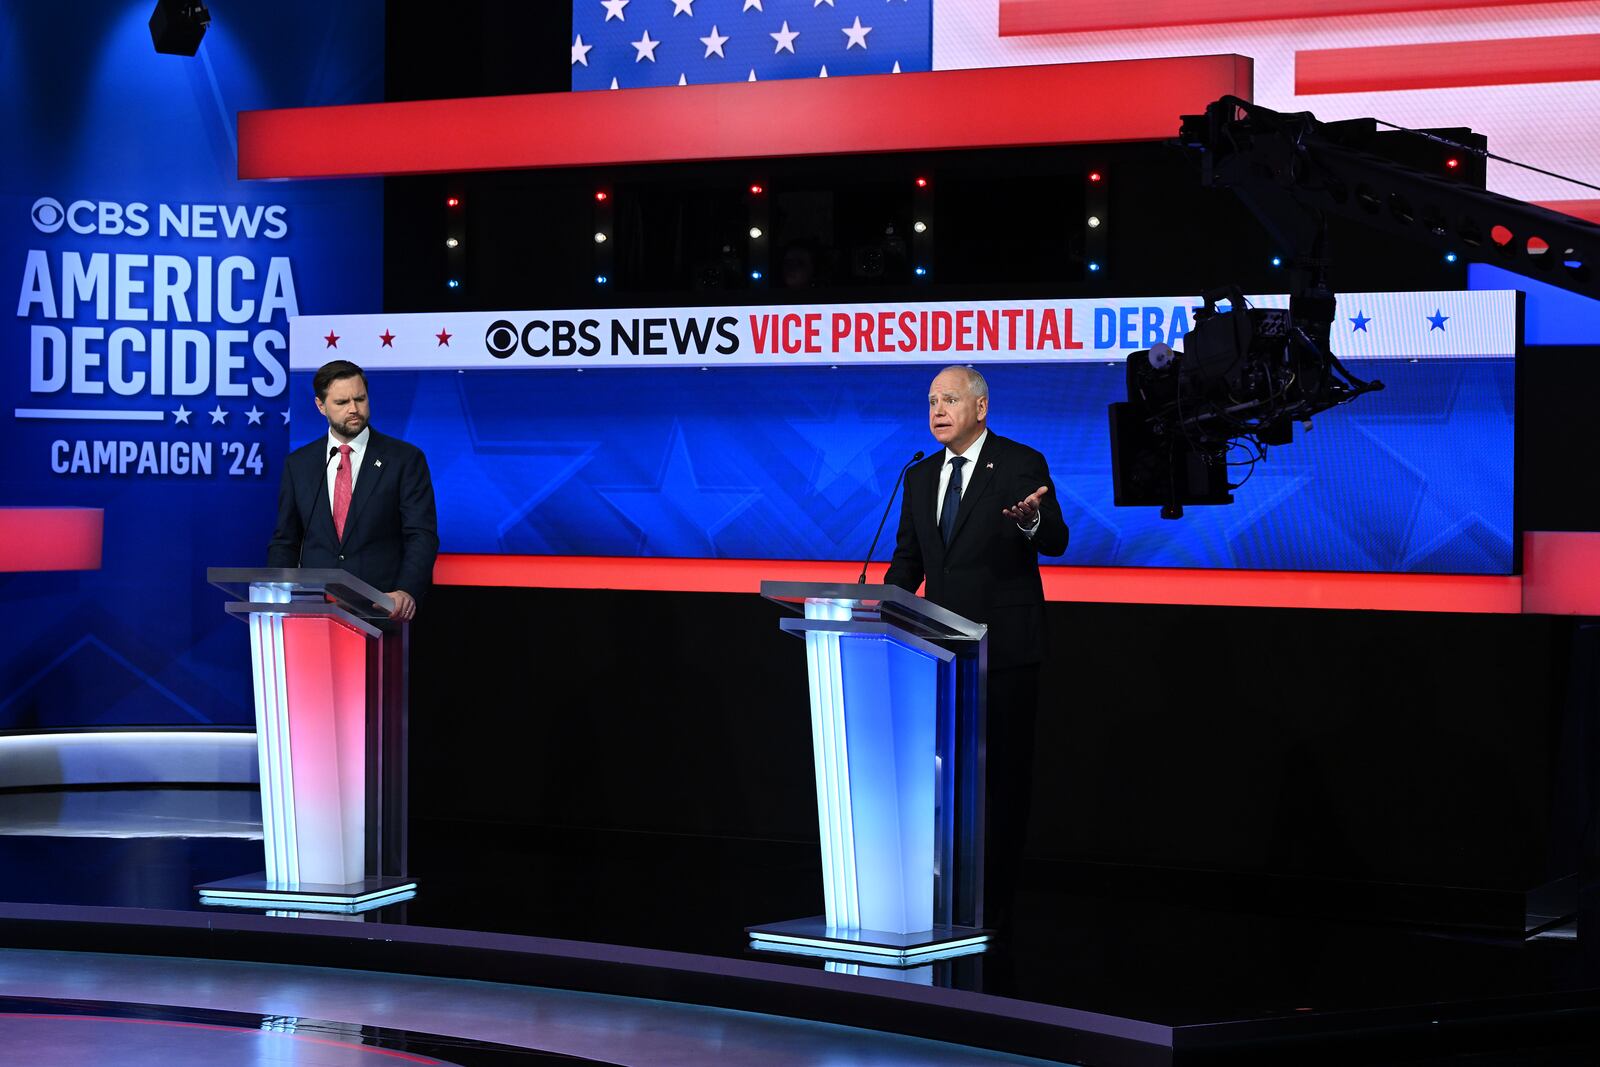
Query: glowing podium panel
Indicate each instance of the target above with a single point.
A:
(897, 725)
(330, 697)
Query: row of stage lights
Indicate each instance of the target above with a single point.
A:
(1094, 223)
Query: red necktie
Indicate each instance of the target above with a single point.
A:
(341, 491)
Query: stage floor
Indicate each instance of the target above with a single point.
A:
(1139, 981)
(146, 1011)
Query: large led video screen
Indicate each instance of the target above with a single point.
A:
(776, 432)
(1525, 74)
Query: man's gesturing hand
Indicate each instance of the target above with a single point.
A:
(1025, 511)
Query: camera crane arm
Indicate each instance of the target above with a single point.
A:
(1294, 171)
(1249, 375)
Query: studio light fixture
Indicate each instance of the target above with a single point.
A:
(177, 26)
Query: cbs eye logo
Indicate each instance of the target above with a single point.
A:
(501, 339)
(47, 214)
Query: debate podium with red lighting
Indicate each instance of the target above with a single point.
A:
(330, 696)
(897, 726)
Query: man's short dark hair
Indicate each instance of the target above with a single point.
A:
(329, 373)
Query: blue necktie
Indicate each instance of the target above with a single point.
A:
(952, 499)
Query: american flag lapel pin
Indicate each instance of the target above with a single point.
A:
(989, 466)
(379, 463)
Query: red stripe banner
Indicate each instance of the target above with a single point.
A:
(50, 539)
(1511, 61)
(1578, 209)
(1005, 107)
(1561, 576)
(1097, 585)
(1022, 18)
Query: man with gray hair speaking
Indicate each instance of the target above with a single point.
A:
(975, 518)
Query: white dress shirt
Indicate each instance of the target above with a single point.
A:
(358, 448)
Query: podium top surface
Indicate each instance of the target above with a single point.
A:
(343, 588)
(917, 614)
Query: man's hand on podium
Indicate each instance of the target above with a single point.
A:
(405, 606)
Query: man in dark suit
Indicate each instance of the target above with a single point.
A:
(975, 519)
(358, 500)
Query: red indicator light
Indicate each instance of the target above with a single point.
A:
(1452, 163)
(1096, 176)
(756, 190)
(922, 183)
(602, 195)
(454, 201)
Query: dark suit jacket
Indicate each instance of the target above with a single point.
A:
(390, 534)
(990, 571)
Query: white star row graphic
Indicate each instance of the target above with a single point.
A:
(219, 416)
(683, 79)
(855, 36)
(614, 8)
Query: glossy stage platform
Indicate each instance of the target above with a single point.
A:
(1079, 979)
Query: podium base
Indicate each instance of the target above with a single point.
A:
(254, 891)
(814, 937)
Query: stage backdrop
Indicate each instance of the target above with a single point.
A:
(776, 432)
(1525, 74)
(147, 359)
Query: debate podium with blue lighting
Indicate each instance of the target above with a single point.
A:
(330, 697)
(897, 726)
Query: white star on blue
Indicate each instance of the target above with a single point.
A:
(809, 37)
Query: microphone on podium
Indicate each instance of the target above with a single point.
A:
(863, 579)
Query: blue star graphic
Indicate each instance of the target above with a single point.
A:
(485, 504)
(1360, 321)
(678, 515)
(844, 444)
(1436, 321)
(1440, 501)
(558, 461)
